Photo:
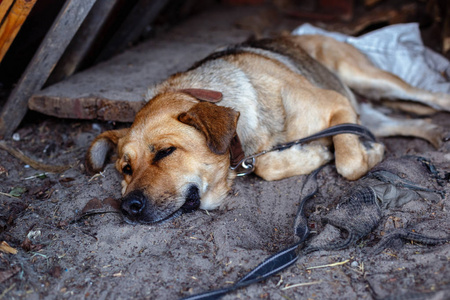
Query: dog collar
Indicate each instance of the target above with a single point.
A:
(204, 95)
(236, 152)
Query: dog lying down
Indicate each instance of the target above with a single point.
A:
(176, 155)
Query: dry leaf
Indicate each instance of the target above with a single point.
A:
(3, 170)
(114, 203)
(27, 245)
(56, 271)
(4, 247)
(92, 205)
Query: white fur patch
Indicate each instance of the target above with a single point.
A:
(98, 152)
(151, 92)
(124, 186)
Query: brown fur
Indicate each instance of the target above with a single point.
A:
(176, 154)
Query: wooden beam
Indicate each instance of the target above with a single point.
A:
(83, 40)
(50, 51)
(446, 31)
(142, 14)
(12, 22)
(4, 7)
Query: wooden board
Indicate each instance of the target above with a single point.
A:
(87, 107)
(4, 7)
(83, 40)
(12, 23)
(55, 42)
(446, 32)
(115, 90)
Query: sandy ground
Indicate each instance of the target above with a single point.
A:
(101, 257)
(71, 243)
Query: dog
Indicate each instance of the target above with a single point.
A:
(176, 155)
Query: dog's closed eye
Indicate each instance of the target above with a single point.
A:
(163, 153)
(127, 170)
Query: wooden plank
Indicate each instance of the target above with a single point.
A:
(327, 11)
(446, 32)
(142, 14)
(83, 40)
(87, 108)
(342, 8)
(55, 42)
(4, 7)
(114, 90)
(13, 22)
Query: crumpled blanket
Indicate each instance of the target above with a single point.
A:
(397, 49)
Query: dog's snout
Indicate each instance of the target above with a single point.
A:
(133, 204)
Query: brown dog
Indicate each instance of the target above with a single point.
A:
(176, 155)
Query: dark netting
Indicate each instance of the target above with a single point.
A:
(390, 185)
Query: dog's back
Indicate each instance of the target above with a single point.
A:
(289, 51)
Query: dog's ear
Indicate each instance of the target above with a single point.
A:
(217, 123)
(204, 95)
(101, 148)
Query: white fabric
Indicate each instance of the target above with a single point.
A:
(398, 49)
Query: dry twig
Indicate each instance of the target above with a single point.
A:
(29, 161)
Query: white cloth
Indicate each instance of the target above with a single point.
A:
(397, 49)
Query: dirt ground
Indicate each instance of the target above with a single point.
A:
(72, 243)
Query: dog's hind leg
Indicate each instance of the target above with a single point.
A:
(383, 126)
(416, 108)
(361, 75)
(376, 84)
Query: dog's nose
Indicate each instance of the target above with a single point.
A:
(133, 204)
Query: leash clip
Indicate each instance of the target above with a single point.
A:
(246, 166)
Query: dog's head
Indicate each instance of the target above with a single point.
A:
(174, 157)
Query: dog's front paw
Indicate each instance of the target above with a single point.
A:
(359, 162)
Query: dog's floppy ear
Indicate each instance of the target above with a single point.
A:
(204, 95)
(217, 123)
(100, 149)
